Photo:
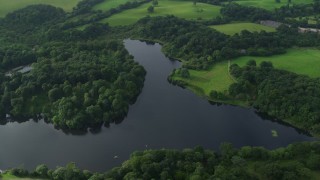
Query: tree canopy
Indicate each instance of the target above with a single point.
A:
(297, 161)
(281, 94)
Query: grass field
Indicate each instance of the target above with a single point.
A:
(7, 176)
(108, 4)
(216, 78)
(7, 6)
(301, 61)
(271, 4)
(234, 28)
(182, 9)
(311, 19)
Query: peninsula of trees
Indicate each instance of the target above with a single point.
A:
(76, 81)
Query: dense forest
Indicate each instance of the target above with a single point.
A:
(76, 81)
(281, 94)
(297, 161)
(75, 84)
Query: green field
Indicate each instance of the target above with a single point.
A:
(9, 6)
(311, 19)
(301, 61)
(216, 78)
(108, 4)
(8, 176)
(271, 4)
(234, 28)
(182, 9)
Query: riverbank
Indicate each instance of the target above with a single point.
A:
(296, 161)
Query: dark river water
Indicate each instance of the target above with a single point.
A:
(164, 116)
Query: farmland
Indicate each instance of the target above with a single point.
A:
(216, 78)
(271, 4)
(182, 9)
(233, 28)
(300, 61)
(9, 6)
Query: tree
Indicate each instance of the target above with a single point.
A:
(150, 9)
(194, 3)
(266, 64)
(185, 73)
(54, 94)
(155, 2)
(277, 1)
(313, 162)
(213, 94)
(227, 150)
(316, 6)
(251, 63)
(42, 170)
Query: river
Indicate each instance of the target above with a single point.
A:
(164, 116)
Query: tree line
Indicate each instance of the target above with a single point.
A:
(281, 94)
(296, 161)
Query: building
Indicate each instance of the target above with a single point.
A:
(270, 23)
(306, 30)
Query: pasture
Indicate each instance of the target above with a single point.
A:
(271, 4)
(304, 61)
(216, 78)
(9, 6)
(233, 28)
(182, 9)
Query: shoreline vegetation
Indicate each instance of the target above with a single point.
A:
(296, 161)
